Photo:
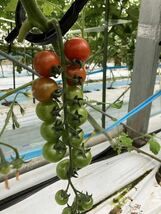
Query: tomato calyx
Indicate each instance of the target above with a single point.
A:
(77, 101)
(77, 116)
(57, 93)
(59, 146)
(77, 62)
(56, 111)
(58, 125)
(76, 80)
(55, 71)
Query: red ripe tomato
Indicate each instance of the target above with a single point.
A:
(43, 89)
(77, 49)
(75, 75)
(46, 63)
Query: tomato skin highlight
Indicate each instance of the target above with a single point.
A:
(45, 61)
(43, 89)
(75, 75)
(62, 169)
(45, 111)
(77, 49)
(51, 153)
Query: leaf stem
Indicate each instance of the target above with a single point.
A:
(147, 154)
(9, 114)
(13, 148)
(10, 92)
(11, 58)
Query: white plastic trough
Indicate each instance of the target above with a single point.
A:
(101, 179)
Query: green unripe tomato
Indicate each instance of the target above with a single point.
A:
(74, 93)
(62, 169)
(67, 210)
(61, 197)
(47, 112)
(81, 159)
(54, 152)
(75, 139)
(77, 116)
(50, 132)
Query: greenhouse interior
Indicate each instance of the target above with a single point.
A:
(80, 107)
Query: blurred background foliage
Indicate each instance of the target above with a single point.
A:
(122, 37)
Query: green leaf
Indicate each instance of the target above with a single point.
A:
(154, 146)
(118, 104)
(15, 122)
(22, 110)
(47, 8)
(125, 140)
(11, 6)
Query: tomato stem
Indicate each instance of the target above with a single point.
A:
(13, 148)
(7, 56)
(35, 18)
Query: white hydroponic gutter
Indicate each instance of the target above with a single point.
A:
(101, 179)
(38, 175)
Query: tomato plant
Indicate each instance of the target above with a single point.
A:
(47, 111)
(47, 63)
(76, 75)
(77, 49)
(54, 152)
(43, 89)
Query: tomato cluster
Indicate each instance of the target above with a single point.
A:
(57, 138)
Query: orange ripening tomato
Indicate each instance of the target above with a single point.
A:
(47, 63)
(43, 89)
(75, 75)
(77, 49)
